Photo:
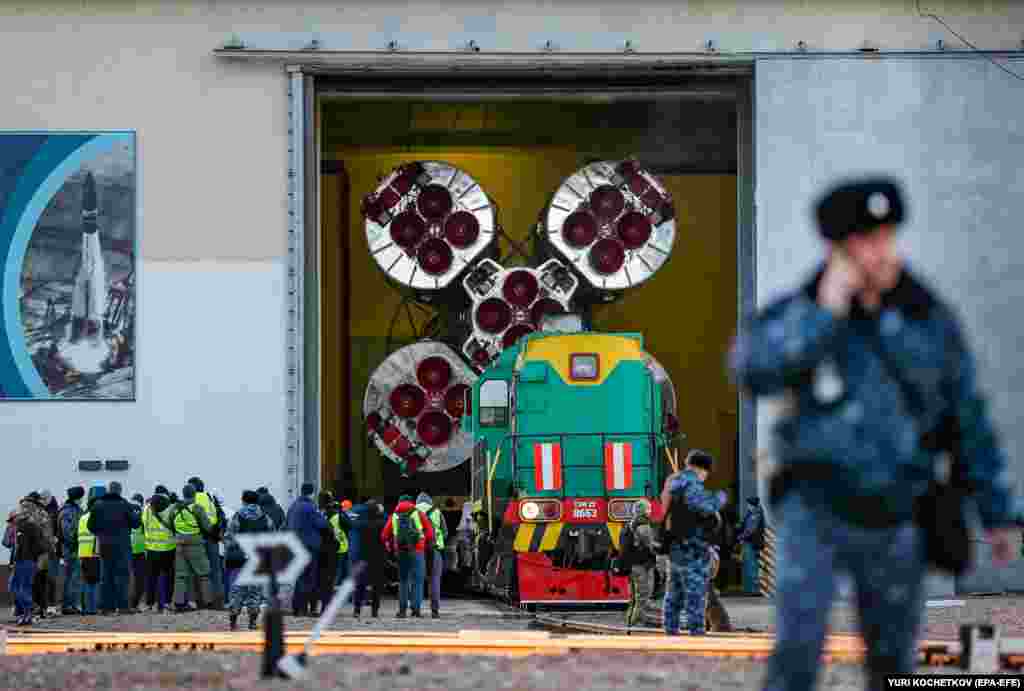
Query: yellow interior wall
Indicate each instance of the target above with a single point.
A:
(687, 312)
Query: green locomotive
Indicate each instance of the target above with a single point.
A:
(571, 432)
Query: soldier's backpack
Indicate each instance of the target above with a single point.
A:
(234, 557)
(407, 533)
(623, 564)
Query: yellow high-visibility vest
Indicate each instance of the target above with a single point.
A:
(86, 540)
(185, 522)
(206, 504)
(437, 519)
(158, 537)
(340, 535)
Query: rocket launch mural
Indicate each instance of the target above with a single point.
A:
(68, 242)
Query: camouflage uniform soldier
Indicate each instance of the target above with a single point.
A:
(877, 381)
(249, 519)
(688, 510)
(652, 612)
(641, 573)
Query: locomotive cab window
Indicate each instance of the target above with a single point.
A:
(494, 403)
(583, 366)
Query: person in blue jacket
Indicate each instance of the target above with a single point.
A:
(691, 516)
(874, 380)
(305, 520)
(112, 520)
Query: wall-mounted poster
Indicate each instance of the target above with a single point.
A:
(68, 244)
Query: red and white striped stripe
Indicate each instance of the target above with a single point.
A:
(618, 465)
(547, 466)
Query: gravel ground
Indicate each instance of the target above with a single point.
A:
(585, 671)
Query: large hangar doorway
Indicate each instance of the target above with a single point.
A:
(520, 139)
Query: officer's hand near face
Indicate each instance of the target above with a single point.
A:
(843, 279)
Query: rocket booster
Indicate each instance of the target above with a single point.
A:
(88, 297)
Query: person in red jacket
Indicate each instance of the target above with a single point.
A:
(406, 534)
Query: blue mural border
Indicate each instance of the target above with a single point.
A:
(57, 156)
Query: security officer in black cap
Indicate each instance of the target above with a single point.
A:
(867, 359)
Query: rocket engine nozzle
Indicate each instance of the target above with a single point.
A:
(426, 222)
(613, 222)
(511, 303)
(414, 405)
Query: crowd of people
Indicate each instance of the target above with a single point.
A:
(172, 553)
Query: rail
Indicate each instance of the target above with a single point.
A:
(596, 638)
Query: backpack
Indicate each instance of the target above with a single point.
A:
(407, 534)
(216, 533)
(234, 557)
(38, 516)
(622, 565)
(67, 526)
(631, 553)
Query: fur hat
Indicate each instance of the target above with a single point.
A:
(75, 493)
(308, 489)
(859, 206)
(250, 497)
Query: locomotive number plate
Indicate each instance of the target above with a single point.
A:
(584, 510)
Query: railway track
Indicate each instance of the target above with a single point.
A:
(471, 642)
(598, 638)
(931, 652)
(549, 635)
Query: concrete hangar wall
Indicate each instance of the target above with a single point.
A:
(213, 392)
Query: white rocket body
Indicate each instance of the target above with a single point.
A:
(89, 294)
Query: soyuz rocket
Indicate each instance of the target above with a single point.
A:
(88, 297)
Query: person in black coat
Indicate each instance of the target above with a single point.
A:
(373, 557)
(271, 508)
(112, 520)
(328, 553)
